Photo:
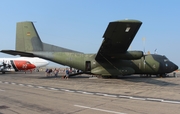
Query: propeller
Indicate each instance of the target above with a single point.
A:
(144, 52)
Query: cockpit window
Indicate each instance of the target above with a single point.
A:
(166, 60)
(166, 65)
(28, 62)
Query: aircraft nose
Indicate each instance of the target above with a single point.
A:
(169, 67)
(31, 66)
(175, 67)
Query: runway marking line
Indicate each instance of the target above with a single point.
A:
(2, 90)
(53, 89)
(136, 98)
(80, 91)
(21, 84)
(67, 90)
(153, 99)
(88, 93)
(100, 94)
(40, 87)
(125, 96)
(70, 91)
(107, 95)
(30, 85)
(176, 102)
(98, 109)
(6, 82)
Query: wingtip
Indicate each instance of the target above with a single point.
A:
(129, 20)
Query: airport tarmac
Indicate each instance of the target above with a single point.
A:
(36, 94)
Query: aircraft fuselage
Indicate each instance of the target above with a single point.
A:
(148, 64)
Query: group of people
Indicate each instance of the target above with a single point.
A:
(50, 72)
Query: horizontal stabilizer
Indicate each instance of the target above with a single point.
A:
(12, 52)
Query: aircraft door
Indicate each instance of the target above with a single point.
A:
(88, 66)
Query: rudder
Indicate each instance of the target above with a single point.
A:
(27, 38)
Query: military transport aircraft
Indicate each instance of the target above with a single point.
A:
(21, 64)
(112, 59)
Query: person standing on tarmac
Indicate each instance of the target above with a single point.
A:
(56, 71)
(67, 73)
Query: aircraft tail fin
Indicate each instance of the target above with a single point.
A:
(27, 38)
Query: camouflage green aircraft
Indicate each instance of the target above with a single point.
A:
(112, 59)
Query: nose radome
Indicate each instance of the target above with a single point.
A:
(171, 67)
(32, 66)
(175, 67)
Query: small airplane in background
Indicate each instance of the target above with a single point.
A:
(21, 64)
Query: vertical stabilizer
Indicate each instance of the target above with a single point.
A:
(27, 38)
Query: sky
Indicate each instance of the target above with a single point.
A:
(80, 24)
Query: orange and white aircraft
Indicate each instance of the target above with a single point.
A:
(21, 64)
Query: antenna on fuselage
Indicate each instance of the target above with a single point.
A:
(155, 51)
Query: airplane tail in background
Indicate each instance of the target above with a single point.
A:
(27, 38)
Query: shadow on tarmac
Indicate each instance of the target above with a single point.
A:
(149, 80)
(132, 78)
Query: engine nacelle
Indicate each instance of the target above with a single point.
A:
(129, 55)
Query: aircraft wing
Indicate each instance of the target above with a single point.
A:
(117, 38)
(13, 52)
